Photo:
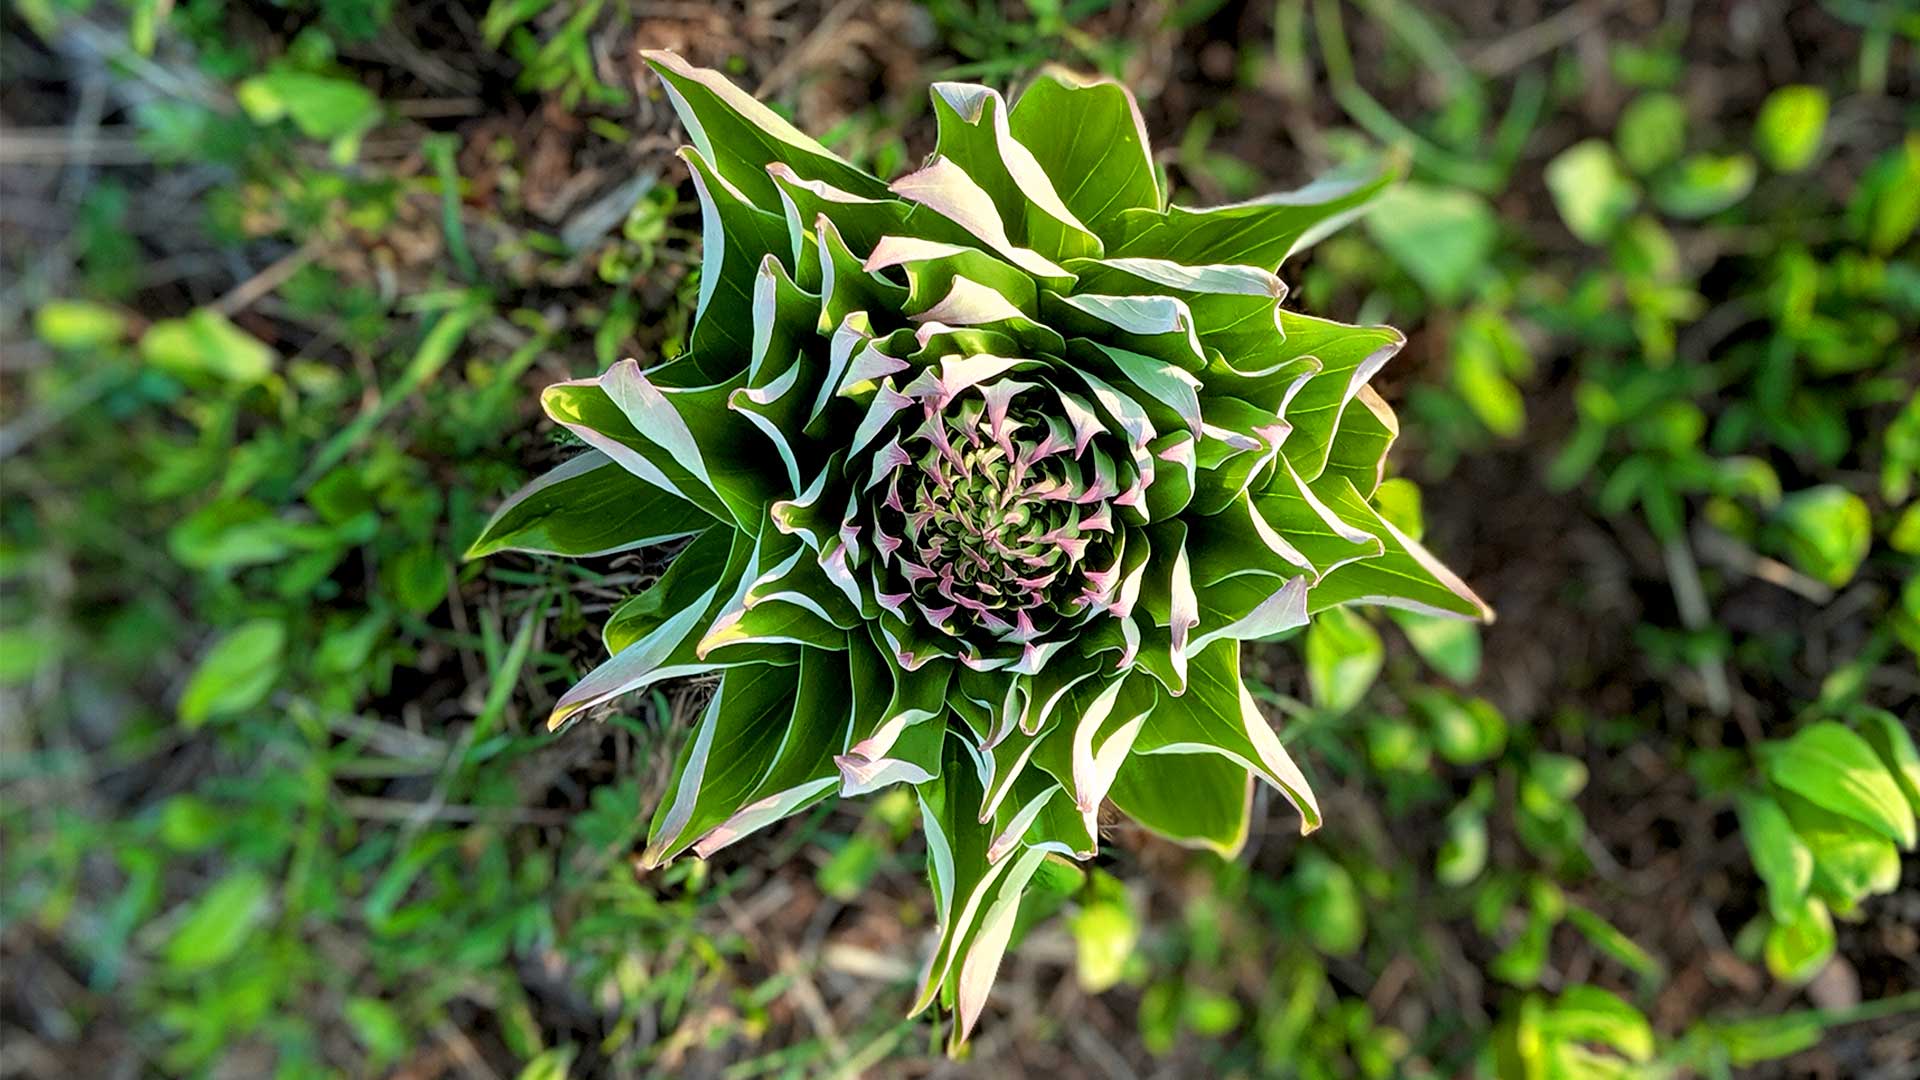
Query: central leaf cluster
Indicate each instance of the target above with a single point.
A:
(999, 509)
(986, 473)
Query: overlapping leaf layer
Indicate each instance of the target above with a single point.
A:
(983, 477)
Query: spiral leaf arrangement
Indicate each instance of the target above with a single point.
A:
(979, 480)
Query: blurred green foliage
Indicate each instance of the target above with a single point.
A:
(273, 799)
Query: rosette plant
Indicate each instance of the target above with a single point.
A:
(978, 480)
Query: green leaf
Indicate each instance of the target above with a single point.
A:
(1105, 932)
(24, 653)
(1608, 939)
(1331, 913)
(205, 344)
(1449, 646)
(1652, 131)
(1260, 232)
(1463, 853)
(1466, 731)
(1197, 800)
(1591, 193)
(1894, 743)
(1343, 656)
(1797, 948)
(379, 1027)
(1779, 855)
(321, 106)
(236, 674)
(1827, 531)
(845, 875)
(1704, 184)
(1590, 1014)
(736, 237)
(588, 506)
(1850, 860)
(974, 133)
(416, 578)
(1885, 210)
(733, 749)
(1766, 1038)
(803, 769)
(1441, 237)
(1217, 715)
(219, 923)
(1791, 123)
(1405, 575)
(75, 325)
(553, 1064)
(1090, 139)
(740, 136)
(1832, 767)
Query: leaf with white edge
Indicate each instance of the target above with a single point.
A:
(896, 733)
(1405, 575)
(1245, 609)
(1090, 138)
(735, 236)
(1349, 357)
(1195, 800)
(847, 285)
(1217, 715)
(690, 579)
(1366, 431)
(732, 750)
(957, 863)
(608, 414)
(945, 188)
(974, 134)
(863, 222)
(1289, 506)
(792, 602)
(588, 506)
(1259, 232)
(667, 650)
(932, 267)
(741, 136)
(978, 956)
(1234, 309)
(1084, 753)
(1158, 326)
(802, 772)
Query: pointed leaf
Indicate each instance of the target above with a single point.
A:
(1260, 232)
(742, 136)
(1217, 715)
(1197, 800)
(1090, 139)
(586, 507)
